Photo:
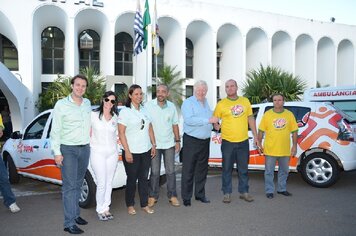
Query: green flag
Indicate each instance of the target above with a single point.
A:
(146, 22)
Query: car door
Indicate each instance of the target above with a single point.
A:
(35, 152)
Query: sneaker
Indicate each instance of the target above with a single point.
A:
(227, 198)
(246, 197)
(102, 217)
(174, 201)
(151, 201)
(14, 208)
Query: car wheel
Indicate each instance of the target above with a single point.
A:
(320, 170)
(88, 191)
(14, 177)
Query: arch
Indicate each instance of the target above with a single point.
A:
(256, 49)
(326, 62)
(123, 54)
(305, 59)
(172, 35)
(345, 63)
(98, 22)
(8, 54)
(282, 51)
(229, 39)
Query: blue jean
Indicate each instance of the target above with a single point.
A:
(232, 153)
(168, 158)
(75, 164)
(283, 170)
(5, 186)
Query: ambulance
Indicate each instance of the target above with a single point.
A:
(326, 142)
(28, 153)
(342, 97)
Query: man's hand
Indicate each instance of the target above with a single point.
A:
(58, 159)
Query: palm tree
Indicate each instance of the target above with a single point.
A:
(263, 83)
(60, 88)
(168, 76)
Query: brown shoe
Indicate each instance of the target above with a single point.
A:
(131, 210)
(246, 197)
(174, 201)
(148, 210)
(151, 201)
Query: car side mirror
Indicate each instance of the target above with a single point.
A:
(16, 135)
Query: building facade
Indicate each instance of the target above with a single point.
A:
(40, 39)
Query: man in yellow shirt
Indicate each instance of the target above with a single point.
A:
(236, 116)
(278, 124)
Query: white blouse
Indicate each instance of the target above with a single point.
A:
(104, 134)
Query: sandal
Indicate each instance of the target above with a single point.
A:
(131, 210)
(102, 217)
(109, 215)
(148, 210)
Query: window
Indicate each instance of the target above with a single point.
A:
(89, 56)
(159, 59)
(218, 58)
(8, 54)
(123, 54)
(301, 114)
(189, 53)
(349, 107)
(218, 93)
(255, 113)
(188, 91)
(35, 130)
(52, 41)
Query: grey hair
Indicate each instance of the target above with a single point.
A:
(200, 83)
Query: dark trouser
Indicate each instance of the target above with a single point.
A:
(195, 166)
(138, 170)
(75, 164)
(5, 187)
(235, 153)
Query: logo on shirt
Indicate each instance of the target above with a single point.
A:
(237, 110)
(279, 123)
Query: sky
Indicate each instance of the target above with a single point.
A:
(344, 11)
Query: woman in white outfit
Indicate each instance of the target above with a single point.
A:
(104, 152)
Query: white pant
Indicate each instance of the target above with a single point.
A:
(104, 164)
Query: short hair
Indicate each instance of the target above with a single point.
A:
(232, 81)
(164, 85)
(79, 76)
(200, 83)
(276, 94)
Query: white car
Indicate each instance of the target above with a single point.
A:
(29, 154)
(326, 142)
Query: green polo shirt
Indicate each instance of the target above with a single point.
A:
(163, 119)
(70, 124)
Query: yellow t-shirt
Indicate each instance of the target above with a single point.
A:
(278, 128)
(234, 118)
(1, 123)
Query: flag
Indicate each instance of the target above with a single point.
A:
(146, 22)
(138, 30)
(155, 32)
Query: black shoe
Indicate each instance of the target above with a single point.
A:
(187, 203)
(285, 193)
(73, 230)
(81, 221)
(202, 199)
(269, 195)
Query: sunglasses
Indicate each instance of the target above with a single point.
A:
(142, 124)
(112, 101)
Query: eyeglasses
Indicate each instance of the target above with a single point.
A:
(142, 123)
(112, 101)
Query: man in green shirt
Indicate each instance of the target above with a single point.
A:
(70, 136)
(165, 126)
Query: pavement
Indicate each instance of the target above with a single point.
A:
(310, 211)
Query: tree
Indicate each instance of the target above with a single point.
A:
(168, 76)
(263, 83)
(61, 88)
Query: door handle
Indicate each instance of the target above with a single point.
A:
(36, 146)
